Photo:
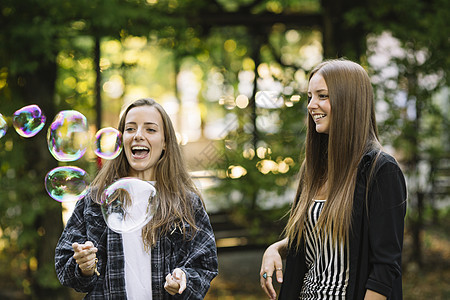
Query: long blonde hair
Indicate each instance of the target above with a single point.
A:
(334, 158)
(174, 185)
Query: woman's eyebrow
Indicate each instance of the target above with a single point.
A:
(151, 123)
(318, 91)
(145, 123)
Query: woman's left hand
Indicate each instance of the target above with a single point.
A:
(175, 282)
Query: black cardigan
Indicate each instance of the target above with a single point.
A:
(376, 236)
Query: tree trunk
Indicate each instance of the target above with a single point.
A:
(39, 87)
(416, 228)
(339, 38)
(417, 222)
(98, 80)
(256, 56)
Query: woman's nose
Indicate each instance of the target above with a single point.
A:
(312, 103)
(138, 134)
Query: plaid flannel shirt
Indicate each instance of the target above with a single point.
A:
(196, 257)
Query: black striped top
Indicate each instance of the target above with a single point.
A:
(328, 266)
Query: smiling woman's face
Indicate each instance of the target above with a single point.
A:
(319, 106)
(143, 141)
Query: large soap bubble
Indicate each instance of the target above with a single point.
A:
(3, 126)
(68, 135)
(65, 184)
(108, 143)
(128, 204)
(29, 120)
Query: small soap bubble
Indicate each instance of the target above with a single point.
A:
(68, 135)
(29, 120)
(66, 184)
(128, 204)
(3, 126)
(108, 143)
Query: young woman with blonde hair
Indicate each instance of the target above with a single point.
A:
(344, 236)
(174, 255)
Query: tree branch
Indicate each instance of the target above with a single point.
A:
(265, 19)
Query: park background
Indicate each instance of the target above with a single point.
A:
(232, 75)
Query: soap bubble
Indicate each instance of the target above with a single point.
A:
(65, 184)
(108, 143)
(28, 120)
(68, 136)
(3, 126)
(128, 204)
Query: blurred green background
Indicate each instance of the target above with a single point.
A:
(232, 74)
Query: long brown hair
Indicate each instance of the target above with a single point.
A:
(174, 185)
(333, 158)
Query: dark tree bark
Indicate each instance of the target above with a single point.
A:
(339, 38)
(98, 81)
(39, 88)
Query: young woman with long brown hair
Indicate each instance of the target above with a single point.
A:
(344, 236)
(174, 255)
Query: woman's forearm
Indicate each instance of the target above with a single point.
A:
(281, 247)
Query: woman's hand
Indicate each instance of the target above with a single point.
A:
(175, 282)
(86, 258)
(272, 262)
(371, 295)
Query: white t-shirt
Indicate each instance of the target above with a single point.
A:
(138, 271)
(138, 266)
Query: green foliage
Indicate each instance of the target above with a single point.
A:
(415, 94)
(423, 27)
(270, 167)
(28, 32)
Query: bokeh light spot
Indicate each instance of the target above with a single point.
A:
(242, 101)
(229, 45)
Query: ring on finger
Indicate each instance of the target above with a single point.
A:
(279, 269)
(265, 275)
